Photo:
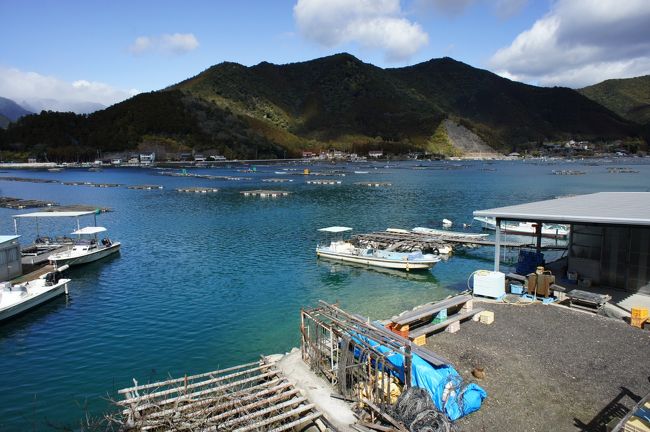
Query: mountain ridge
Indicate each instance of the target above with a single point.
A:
(628, 97)
(336, 101)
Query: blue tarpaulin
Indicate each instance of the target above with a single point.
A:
(443, 383)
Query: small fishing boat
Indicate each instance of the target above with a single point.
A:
(558, 231)
(345, 251)
(447, 233)
(87, 248)
(19, 298)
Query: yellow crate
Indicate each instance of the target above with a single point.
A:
(420, 340)
(638, 322)
(639, 312)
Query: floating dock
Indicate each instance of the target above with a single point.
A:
(276, 180)
(18, 203)
(410, 241)
(145, 187)
(197, 189)
(324, 182)
(374, 184)
(265, 193)
(568, 172)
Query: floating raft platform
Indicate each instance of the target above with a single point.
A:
(374, 184)
(277, 180)
(409, 241)
(18, 203)
(78, 208)
(145, 187)
(91, 184)
(29, 180)
(568, 172)
(198, 189)
(324, 182)
(250, 397)
(265, 193)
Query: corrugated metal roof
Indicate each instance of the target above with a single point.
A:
(625, 208)
(7, 238)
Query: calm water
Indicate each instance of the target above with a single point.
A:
(209, 281)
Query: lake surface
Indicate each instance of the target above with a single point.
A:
(210, 281)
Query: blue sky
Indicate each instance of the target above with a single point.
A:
(103, 51)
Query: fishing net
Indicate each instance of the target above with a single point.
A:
(416, 410)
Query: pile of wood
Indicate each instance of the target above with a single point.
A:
(250, 397)
(429, 319)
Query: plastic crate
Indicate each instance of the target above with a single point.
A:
(516, 289)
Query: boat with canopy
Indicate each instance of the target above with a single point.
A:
(85, 248)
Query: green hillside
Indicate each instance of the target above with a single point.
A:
(338, 101)
(629, 98)
(4, 121)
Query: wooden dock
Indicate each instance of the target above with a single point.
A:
(197, 189)
(265, 193)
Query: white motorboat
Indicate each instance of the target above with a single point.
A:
(447, 233)
(16, 299)
(87, 248)
(38, 252)
(558, 231)
(341, 250)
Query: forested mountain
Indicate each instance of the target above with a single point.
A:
(629, 98)
(338, 101)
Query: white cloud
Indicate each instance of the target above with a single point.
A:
(176, 43)
(47, 92)
(373, 24)
(502, 8)
(581, 42)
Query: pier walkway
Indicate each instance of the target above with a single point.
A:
(422, 241)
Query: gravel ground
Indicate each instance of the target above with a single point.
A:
(549, 368)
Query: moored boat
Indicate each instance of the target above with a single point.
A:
(525, 228)
(87, 248)
(344, 251)
(19, 298)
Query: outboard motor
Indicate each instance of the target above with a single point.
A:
(52, 278)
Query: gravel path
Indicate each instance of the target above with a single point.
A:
(549, 368)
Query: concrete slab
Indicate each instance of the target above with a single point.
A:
(317, 390)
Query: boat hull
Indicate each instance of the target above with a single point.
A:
(34, 301)
(525, 231)
(85, 258)
(377, 262)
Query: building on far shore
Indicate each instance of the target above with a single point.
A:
(376, 154)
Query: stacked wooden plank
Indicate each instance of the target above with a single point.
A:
(421, 322)
(249, 397)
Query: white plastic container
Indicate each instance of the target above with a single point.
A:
(489, 283)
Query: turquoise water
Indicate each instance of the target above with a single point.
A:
(209, 281)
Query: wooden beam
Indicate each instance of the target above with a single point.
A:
(179, 380)
(192, 386)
